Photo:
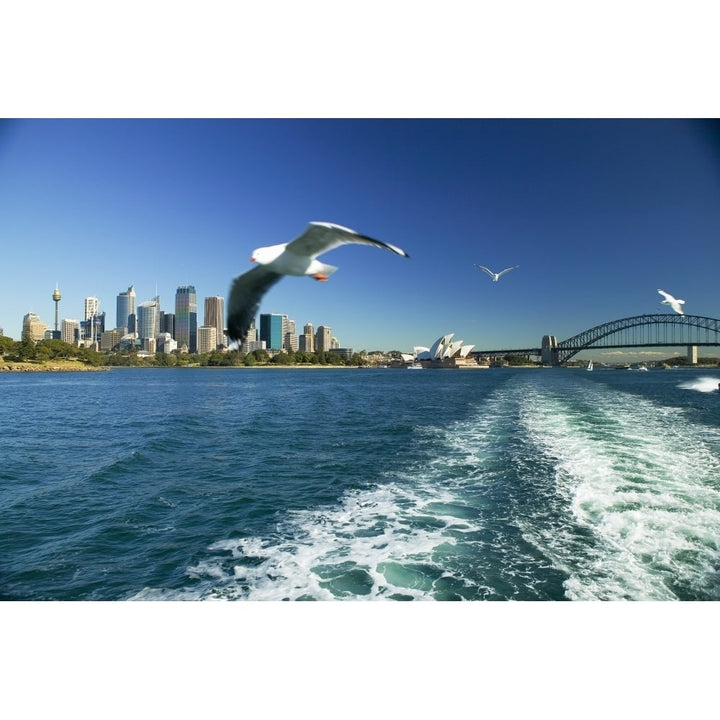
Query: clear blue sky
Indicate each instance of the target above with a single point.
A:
(598, 214)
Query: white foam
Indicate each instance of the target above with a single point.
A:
(702, 384)
(643, 481)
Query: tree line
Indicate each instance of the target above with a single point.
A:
(26, 350)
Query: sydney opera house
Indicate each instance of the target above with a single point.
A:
(444, 353)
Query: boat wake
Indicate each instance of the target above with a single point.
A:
(701, 384)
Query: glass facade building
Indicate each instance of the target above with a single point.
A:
(186, 317)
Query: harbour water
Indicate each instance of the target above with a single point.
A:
(359, 484)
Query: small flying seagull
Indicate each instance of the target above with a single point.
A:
(674, 303)
(298, 257)
(495, 276)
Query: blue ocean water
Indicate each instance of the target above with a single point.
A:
(359, 484)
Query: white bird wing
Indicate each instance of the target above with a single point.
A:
(487, 270)
(245, 295)
(668, 298)
(319, 237)
(248, 289)
(507, 270)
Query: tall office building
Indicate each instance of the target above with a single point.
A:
(33, 327)
(207, 339)
(92, 305)
(148, 319)
(186, 317)
(167, 323)
(323, 338)
(125, 309)
(290, 338)
(272, 330)
(306, 341)
(70, 331)
(215, 316)
(251, 341)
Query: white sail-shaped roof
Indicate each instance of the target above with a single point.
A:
(452, 348)
(438, 347)
(465, 350)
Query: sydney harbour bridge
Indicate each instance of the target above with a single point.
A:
(661, 330)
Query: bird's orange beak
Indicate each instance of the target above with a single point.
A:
(252, 259)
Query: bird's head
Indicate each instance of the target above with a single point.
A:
(265, 255)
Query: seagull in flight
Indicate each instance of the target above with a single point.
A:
(674, 303)
(298, 257)
(495, 276)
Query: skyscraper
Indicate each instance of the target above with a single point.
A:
(125, 309)
(215, 316)
(186, 317)
(33, 327)
(147, 319)
(92, 305)
(70, 331)
(323, 337)
(272, 330)
(207, 339)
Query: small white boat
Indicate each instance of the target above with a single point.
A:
(415, 366)
(590, 366)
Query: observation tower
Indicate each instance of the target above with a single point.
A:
(56, 298)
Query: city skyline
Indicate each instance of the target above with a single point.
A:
(146, 320)
(597, 214)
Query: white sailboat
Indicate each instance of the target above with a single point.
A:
(589, 365)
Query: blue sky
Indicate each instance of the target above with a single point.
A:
(598, 214)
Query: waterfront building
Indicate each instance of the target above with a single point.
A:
(290, 338)
(110, 338)
(92, 305)
(125, 309)
(92, 328)
(344, 353)
(306, 342)
(251, 341)
(165, 343)
(33, 327)
(443, 353)
(167, 323)
(186, 317)
(148, 319)
(323, 338)
(70, 331)
(215, 316)
(272, 330)
(206, 339)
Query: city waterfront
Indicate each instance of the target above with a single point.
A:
(552, 484)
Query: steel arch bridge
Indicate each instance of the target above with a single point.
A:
(661, 330)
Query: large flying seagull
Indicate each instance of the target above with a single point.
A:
(674, 303)
(298, 257)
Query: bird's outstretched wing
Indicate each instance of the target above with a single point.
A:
(507, 270)
(667, 297)
(245, 296)
(487, 270)
(319, 237)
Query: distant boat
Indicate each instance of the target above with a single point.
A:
(643, 368)
(590, 366)
(415, 366)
